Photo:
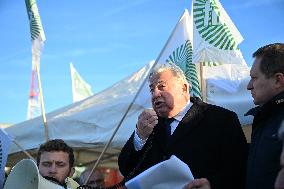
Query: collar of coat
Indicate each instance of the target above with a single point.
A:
(190, 121)
(276, 102)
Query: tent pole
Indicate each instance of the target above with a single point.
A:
(202, 83)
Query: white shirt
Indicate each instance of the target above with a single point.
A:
(139, 143)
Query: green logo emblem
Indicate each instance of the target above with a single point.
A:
(206, 16)
(211, 64)
(35, 23)
(182, 57)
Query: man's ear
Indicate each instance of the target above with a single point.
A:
(279, 79)
(72, 171)
(185, 87)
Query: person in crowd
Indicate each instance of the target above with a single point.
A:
(55, 160)
(95, 180)
(208, 138)
(267, 90)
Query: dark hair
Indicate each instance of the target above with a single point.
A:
(272, 59)
(55, 146)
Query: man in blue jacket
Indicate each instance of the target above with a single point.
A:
(267, 89)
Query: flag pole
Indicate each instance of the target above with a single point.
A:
(202, 83)
(38, 37)
(131, 104)
(42, 104)
(25, 152)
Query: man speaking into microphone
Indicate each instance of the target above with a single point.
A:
(208, 138)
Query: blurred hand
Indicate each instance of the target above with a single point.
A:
(202, 183)
(147, 120)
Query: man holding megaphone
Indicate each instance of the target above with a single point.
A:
(54, 166)
(55, 160)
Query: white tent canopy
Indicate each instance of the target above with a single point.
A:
(88, 125)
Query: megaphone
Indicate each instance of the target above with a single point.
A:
(25, 174)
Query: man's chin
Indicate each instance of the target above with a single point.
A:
(54, 180)
(162, 113)
(255, 101)
(258, 103)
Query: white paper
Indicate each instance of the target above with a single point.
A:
(169, 174)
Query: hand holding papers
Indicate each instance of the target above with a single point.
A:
(169, 174)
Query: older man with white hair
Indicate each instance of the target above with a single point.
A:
(208, 138)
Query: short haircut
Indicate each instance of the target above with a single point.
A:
(56, 145)
(272, 59)
(176, 71)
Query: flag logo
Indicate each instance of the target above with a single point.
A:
(35, 23)
(211, 27)
(182, 57)
(211, 64)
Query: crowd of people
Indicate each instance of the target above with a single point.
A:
(208, 138)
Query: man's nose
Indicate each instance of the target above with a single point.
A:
(155, 92)
(53, 169)
(249, 86)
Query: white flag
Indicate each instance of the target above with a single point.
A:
(80, 88)
(178, 50)
(5, 142)
(215, 37)
(34, 101)
(38, 39)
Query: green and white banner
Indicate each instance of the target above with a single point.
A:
(80, 88)
(36, 29)
(38, 38)
(215, 37)
(179, 51)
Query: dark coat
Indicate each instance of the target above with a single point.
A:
(265, 148)
(209, 139)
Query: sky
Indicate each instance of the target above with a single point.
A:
(106, 41)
